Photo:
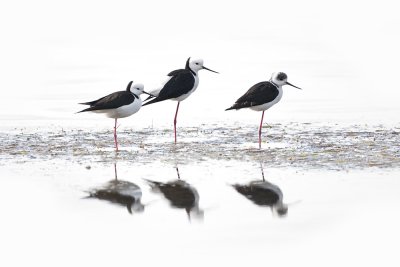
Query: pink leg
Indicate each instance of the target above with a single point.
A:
(115, 171)
(176, 115)
(259, 130)
(115, 135)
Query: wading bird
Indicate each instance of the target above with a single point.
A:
(180, 85)
(118, 105)
(262, 96)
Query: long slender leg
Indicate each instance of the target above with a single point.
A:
(115, 135)
(177, 171)
(262, 172)
(176, 115)
(115, 171)
(259, 130)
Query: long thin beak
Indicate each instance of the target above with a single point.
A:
(210, 70)
(148, 94)
(288, 83)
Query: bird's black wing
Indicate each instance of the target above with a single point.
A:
(258, 94)
(178, 195)
(181, 82)
(177, 72)
(114, 100)
(258, 195)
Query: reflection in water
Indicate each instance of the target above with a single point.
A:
(120, 192)
(180, 195)
(264, 193)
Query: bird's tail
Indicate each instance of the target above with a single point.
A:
(148, 98)
(235, 106)
(86, 109)
(152, 183)
(155, 186)
(89, 195)
(154, 93)
(87, 103)
(154, 100)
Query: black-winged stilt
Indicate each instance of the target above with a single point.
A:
(118, 105)
(180, 194)
(264, 193)
(180, 85)
(120, 192)
(262, 96)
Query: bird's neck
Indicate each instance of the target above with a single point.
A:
(274, 84)
(192, 71)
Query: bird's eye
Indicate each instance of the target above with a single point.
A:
(197, 63)
(281, 76)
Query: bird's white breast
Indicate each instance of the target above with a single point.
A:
(124, 111)
(266, 106)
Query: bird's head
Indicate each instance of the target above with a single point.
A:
(280, 79)
(281, 209)
(138, 89)
(136, 207)
(196, 65)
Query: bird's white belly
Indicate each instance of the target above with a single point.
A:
(124, 111)
(269, 104)
(183, 97)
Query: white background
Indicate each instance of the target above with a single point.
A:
(343, 53)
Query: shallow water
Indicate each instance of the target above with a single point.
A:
(300, 145)
(69, 189)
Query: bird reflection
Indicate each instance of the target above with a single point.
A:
(120, 192)
(264, 193)
(180, 194)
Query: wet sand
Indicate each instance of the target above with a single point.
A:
(300, 145)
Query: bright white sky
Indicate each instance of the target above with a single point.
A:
(344, 54)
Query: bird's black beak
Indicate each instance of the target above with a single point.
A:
(148, 94)
(210, 70)
(288, 83)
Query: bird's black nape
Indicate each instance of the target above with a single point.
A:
(128, 88)
(187, 64)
